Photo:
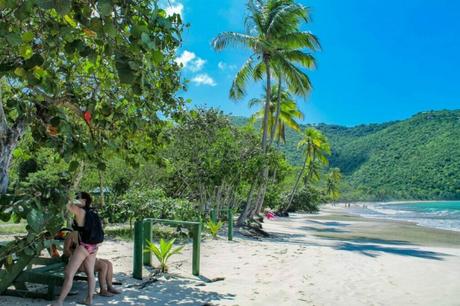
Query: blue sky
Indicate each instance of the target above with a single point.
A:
(381, 60)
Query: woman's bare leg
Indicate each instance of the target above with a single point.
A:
(78, 256)
(102, 268)
(110, 277)
(89, 268)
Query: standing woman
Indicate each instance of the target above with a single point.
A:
(89, 227)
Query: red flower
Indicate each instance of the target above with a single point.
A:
(87, 117)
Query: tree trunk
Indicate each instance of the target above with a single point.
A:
(244, 215)
(261, 197)
(267, 105)
(295, 186)
(277, 114)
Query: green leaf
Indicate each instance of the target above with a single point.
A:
(36, 220)
(26, 51)
(105, 7)
(157, 57)
(13, 39)
(70, 21)
(20, 72)
(27, 36)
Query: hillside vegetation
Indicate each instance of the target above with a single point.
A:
(417, 158)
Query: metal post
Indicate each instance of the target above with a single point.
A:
(196, 249)
(213, 215)
(230, 224)
(148, 237)
(138, 249)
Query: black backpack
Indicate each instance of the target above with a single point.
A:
(93, 232)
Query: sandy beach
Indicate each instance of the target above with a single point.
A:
(330, 258)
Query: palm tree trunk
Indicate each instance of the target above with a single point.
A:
(277, 114)
(294, 189)
(267, 105)
(244, 215)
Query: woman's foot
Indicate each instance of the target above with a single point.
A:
(87, 301)
(113, 290)
(105, 293)
(57, 303)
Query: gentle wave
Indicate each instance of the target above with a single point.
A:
(441, 215)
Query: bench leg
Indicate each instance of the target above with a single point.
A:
(51, 292)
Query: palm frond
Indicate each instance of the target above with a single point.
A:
(238, 88)
(286, 17)
(298, 82)
(304, 59)
(234, 39)
(299, 40)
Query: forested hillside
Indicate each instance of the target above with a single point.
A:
(417, 158)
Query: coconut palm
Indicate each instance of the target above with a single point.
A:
(287, 114)
(273, 36)
(333, 178)
(316, 149)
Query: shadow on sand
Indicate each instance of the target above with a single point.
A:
(329, 223)
(374, 250)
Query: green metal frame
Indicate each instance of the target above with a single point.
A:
(143, 232)
(213, 216)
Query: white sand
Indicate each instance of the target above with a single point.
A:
(295, 267)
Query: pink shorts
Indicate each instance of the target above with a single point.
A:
(91, 248)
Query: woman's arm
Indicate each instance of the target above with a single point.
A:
(68, 244)
(73, 208)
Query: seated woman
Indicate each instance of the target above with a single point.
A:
(103, 267)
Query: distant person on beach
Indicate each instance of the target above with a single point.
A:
(103, 267)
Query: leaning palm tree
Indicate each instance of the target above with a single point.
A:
(273, 36)
(332, 185)
(287, 114)
(316, 149)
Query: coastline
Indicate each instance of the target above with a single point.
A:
(448, 220)
(328, 258)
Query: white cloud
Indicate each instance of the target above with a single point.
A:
(190, 61)
(197, 64)
(174, 7)
(224, 66)
(203, 79)
(185, 58)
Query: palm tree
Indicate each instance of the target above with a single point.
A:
(273, 36)
(287, 114)
(333, 178)
(316, 149)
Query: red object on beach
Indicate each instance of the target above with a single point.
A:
(87, 117)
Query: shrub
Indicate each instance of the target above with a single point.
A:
(163, 252)
(305, 199)
(214, 227)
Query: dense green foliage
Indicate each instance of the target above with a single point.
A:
(417, 158)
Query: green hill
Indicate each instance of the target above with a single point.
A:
(417, 158)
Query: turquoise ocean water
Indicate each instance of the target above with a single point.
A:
(443, 215)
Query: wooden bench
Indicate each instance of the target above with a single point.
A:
(41, 270)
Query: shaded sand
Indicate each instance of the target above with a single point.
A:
(324, 259)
